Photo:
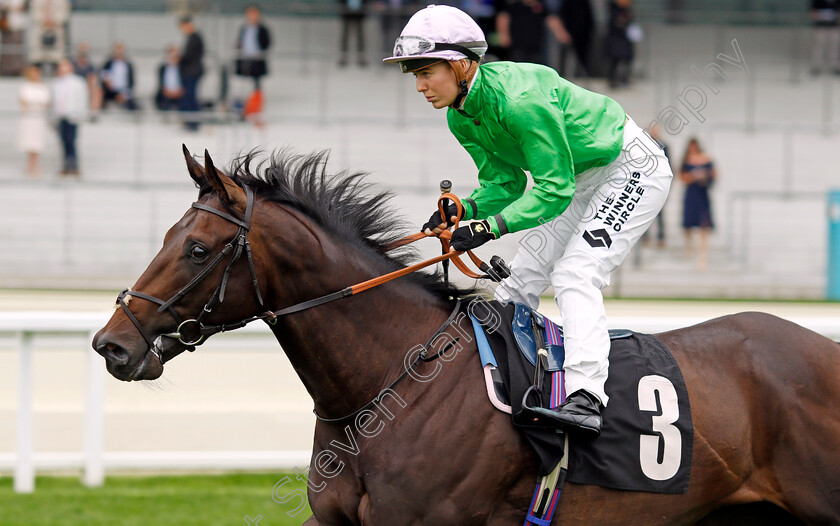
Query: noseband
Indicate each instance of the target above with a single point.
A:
(192, 332)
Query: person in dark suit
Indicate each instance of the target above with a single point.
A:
(117, 75)
(522, 28)
(251, 47)
(191, 69)
(353, 19)
(170, 88)
(619, 49)
(579, 21)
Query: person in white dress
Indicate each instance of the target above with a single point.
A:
(34, 98)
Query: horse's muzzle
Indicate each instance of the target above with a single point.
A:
(119, 362)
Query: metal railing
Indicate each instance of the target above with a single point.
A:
(95, 460)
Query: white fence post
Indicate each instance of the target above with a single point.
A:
(94, 471)
(24, 467)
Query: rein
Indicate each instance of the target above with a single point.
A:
(193, 332)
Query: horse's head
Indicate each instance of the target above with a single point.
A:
(291, 236)
(173, 306)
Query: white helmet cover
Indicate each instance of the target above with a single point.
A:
(439, 32)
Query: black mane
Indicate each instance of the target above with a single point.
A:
(343, 204)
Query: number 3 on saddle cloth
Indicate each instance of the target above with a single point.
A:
(647, 435)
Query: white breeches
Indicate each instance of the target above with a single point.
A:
(576, 252)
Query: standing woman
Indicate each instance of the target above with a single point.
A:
(34, 99)
(698, 174)
(599, 181)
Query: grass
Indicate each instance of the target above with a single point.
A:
(159, 500)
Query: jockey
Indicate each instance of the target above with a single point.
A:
(598, 182)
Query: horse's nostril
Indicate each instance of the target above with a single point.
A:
(113, 353)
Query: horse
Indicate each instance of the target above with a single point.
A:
(273, 241)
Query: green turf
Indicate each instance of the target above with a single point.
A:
(154, 500)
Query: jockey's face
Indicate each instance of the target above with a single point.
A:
(438, 84)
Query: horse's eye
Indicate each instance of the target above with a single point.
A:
(198, 253)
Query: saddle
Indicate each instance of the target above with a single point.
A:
(522, 354)
(540, 341)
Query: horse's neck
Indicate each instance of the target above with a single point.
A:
(347, 351)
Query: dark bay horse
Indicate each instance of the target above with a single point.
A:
(765, 393)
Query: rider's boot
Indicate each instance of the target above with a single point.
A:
(579, 414)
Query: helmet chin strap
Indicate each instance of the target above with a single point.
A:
(463, 75)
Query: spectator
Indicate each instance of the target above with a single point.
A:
(521, 25)
(47, 38)
(484, 14)
(674, 11)
(825, 50)
(70, 107)
(393, 16)
(84, 68)
(577, 19)
(34, 98)
(118, 79)
(170, 88)
(12, 29)
(352, 18)
(619, 48)
(191, 69)
(252, 46)
(698, 173)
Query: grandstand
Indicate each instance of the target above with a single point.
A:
(770, 129)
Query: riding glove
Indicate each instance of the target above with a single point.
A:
(471, 236)
(436, 220)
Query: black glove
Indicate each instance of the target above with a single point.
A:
(469, 237)
(436, 220)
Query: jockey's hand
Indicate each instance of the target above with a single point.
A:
(437, 224)
(471, 236)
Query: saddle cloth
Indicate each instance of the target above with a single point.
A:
(647, 435)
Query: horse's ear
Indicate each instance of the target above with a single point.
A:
(229, 192)
(195, 170)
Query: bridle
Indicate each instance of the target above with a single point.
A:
(192, 332)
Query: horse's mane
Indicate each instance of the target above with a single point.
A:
(342, 203)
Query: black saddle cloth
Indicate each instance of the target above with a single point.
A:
(646, 439)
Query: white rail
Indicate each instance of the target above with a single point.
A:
(93, 459)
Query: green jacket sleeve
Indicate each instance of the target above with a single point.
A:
(501, 183)
(538, 127)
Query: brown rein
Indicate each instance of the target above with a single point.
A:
(444, 237)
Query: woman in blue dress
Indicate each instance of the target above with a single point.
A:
(698, 174)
